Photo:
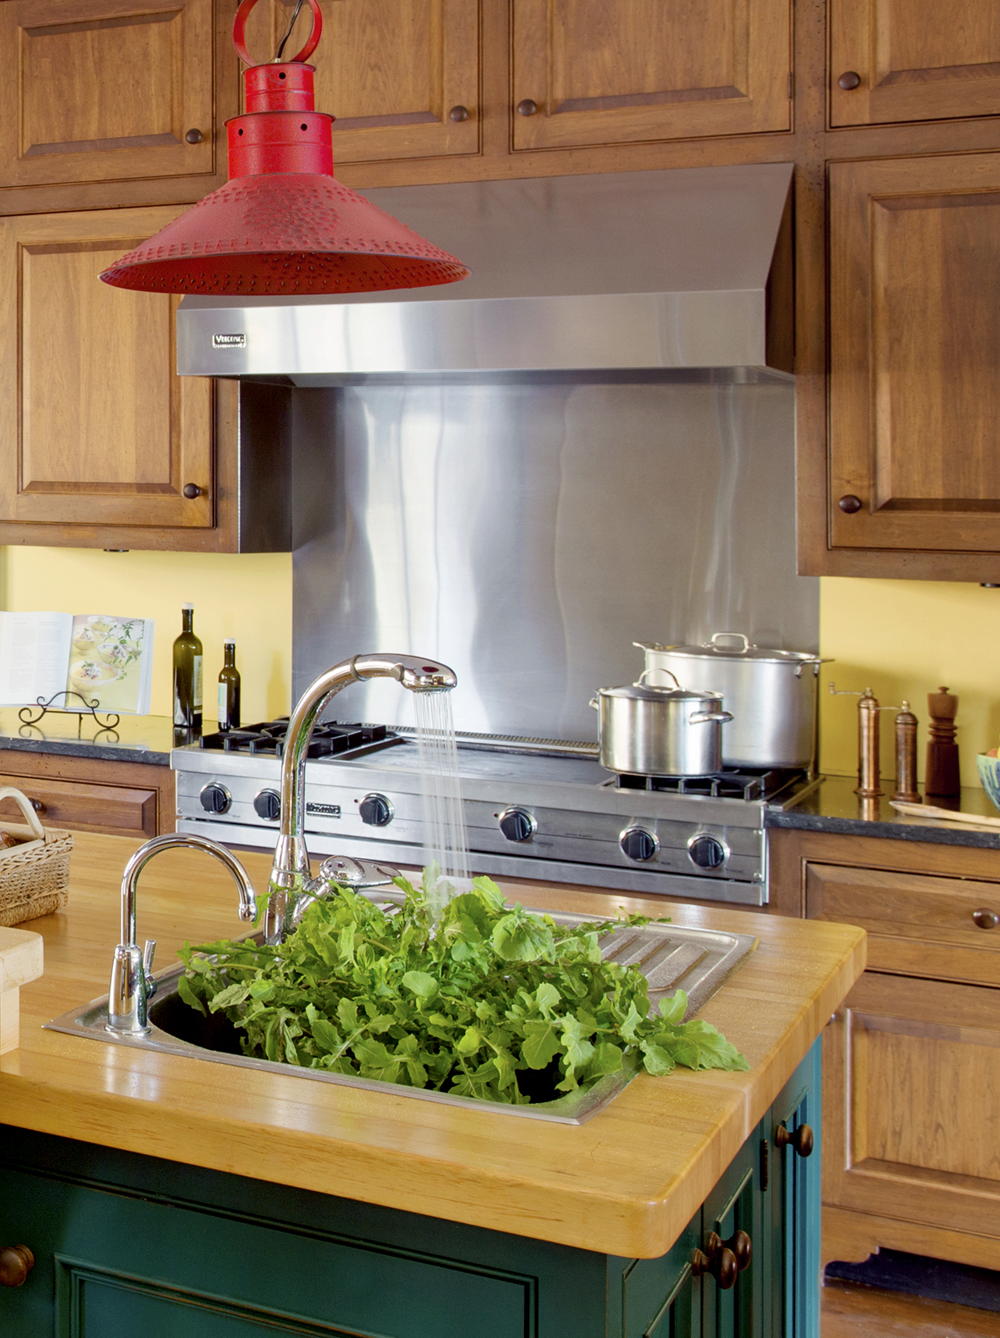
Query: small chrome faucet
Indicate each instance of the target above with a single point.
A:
(290, 872)
(132, 986)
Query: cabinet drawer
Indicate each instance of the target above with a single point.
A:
(909, 915)
(81, 806)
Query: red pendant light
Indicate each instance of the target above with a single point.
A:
(282, 225)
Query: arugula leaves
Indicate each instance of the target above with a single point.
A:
(485, 1001)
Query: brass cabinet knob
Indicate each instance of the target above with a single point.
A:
(800, 1140)
(194, 136)
(850, 503)
(849, 80)
(527, 107)
(742, 1247)
(986, 919)
(191, 491)
(718, 1261)
(16, 1262)
(459, 113)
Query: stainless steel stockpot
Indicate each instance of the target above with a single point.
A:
(650, 730)
(771, 693)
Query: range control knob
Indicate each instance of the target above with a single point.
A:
(707, 852)
(215, 798)
(517, 824)
(267, 805)
(375, 810)
(638, 844)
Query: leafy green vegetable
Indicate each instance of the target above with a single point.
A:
(489, 1002)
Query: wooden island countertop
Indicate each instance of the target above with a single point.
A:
(625, 1182)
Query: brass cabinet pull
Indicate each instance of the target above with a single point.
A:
(986, 919)
(801, 1140)
(849, 80)
(720, 1261)
(16, 1262)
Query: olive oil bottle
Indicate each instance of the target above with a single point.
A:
(229, 689)
(187, 675)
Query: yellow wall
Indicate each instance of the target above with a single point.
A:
(247, 597)
(905, 639)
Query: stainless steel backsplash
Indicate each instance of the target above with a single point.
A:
(527, 534)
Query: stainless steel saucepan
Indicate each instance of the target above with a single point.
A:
(648, 730)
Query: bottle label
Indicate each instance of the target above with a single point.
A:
(223, 707)
(196, 703)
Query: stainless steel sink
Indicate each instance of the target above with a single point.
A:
(671, 957)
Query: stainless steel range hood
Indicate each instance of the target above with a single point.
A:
(683, 271)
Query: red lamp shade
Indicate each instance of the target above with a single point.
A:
(282, 224)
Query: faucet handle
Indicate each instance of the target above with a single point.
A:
(147, 966)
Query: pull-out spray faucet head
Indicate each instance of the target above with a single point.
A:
(290, 872)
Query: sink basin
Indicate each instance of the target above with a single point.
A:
(671, 957)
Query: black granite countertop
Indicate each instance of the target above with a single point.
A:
(136, 738)
(832, 806)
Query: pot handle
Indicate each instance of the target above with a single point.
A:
(703, 717)
(639, 682)
(594, 703)
(738, 636)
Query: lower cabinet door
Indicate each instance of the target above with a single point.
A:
(734, 1212)
(795, 1192)
(110, 1263)
(661, 1298)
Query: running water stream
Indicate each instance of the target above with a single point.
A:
(445, 842)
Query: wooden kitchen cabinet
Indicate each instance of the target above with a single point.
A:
(101, 95)
(913, 60)
(912, 1060)
(914, 332)
(591, 72)
(102, 441)
(124, 1242)
(90, 794)
(402, 77)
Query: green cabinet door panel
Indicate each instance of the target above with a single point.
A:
(660, 1297)
(797, 1204)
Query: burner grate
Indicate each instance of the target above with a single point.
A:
(748, 785)
(329, 739)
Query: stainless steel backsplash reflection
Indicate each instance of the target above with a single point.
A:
(527, 534)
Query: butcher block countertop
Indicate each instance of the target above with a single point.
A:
(626, 1182)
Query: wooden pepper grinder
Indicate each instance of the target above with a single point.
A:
(906, 756)
(942, 779)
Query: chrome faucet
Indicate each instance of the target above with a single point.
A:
(132, 986)
(290, 872)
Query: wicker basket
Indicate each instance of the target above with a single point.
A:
(34, 873)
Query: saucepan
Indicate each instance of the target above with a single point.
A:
(648, 730)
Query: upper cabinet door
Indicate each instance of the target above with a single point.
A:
(618, 71)
(97, 428)
(915, 353)
(400, 76)
(105, 90)
(913, 60)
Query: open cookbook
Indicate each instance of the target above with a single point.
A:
(105, 658)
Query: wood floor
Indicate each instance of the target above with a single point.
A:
(864, 1312)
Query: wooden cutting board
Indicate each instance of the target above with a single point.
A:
(20, 961)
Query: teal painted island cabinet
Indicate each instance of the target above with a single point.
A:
(131, 1244)
(178, 1197)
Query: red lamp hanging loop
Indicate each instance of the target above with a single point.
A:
(240, 24)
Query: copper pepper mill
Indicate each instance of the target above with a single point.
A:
(869, 766)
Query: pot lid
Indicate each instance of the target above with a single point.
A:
(644, 692)
(739, 647)
(282, 224)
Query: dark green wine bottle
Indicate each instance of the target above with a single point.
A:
(187, 674)
(229, 689)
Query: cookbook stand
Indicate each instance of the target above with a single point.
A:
(31, 715)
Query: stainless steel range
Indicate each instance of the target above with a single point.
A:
(533, 809)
